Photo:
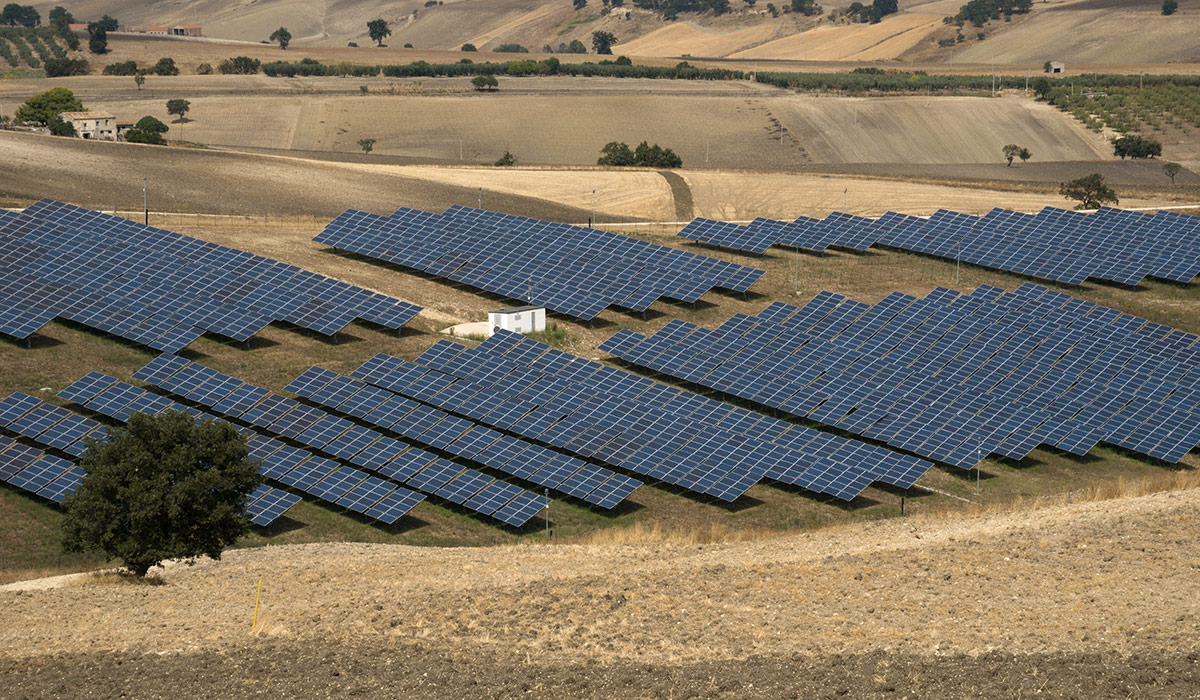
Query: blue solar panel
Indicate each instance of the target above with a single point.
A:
(158, 288)
(1054, 244)
(331, 434)
(951, 377)
(575, 271)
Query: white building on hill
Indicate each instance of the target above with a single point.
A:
(101, 126)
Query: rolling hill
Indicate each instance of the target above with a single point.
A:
(1091, 31)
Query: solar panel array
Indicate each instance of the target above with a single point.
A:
(324, 479)
(1054, 244)
(524, 387)
(58, 428)
(159, 288)
(952, 377)
(573, 270)
(358, 445)
(464, 438)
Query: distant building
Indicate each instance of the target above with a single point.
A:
(122, 127)
(185, 30)
(77, 28)
(1058, 67)
(100, 126)
(158, 31)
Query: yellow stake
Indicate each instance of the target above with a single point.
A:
(254, 623)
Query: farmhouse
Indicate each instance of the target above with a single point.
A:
(1058, 67)
(185, 30)
(101, 126)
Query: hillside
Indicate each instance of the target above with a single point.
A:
(1091, 31)
(1092, 599)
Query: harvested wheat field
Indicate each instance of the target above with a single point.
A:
(1089, 599)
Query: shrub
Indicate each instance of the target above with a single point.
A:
(511, 48)
(240, 65)
(469, 47)
(165, 66)
(60, 67)
(122, 68)
(204, 69)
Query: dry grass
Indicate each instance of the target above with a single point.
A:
(657, 532)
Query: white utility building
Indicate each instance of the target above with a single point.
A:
(518, 319)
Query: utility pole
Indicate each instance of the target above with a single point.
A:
(844, 191)
(481, 198)
(460, 155)
(145, 203)
(593, 208)
(547, 513)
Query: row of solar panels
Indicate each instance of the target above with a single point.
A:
(573, 270)
(415, 423)
(378, 499)
(951, 377)
(56, 478)
(527, 388)
(1054, 244)
(159, 288)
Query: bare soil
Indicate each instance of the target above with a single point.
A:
(1095, 599)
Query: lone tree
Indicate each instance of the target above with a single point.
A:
(378, 29)
(1011, 151)
(602, 42)
(1041, 87)
(281, 36)
(1169, 7)
(1172, 169)
(366, 144)
(506, 160)
(43, 106)
(485, 82)
(139, 78)
(1090, 191)
(178, 107)
(162, 487)
(1024, 154)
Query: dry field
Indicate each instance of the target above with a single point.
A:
(709, 124)
(1095, 599)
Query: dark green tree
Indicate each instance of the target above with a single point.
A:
(178, 106)
(281, 36)
(139, 77)
(1136, 146)
(1041, 87)
(60, 67)
(602, 42)
(42, 106)
(109, 24)
(1169, 7)
(576, 46)
(506, 160)
(59, 127)
(59, 17)
(485, 82)
(655, 156)
(165, 66)
(20, 15)
(1091, 192)
(366, 145)
(378, 30)
(579, 4)
(162, 487)
(147, 137)
(151, 125)
(469, 47)
(240, 65)
(615, 153)
(98, 38)
(1024, 154)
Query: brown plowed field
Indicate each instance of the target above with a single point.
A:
(1093, 599)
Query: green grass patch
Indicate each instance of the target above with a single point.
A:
(577, 21)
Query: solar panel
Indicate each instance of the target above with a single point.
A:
(1118, 246)
(158, 288)
(575, 271)
(332, 435)
(952, 377)
(286, 464)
